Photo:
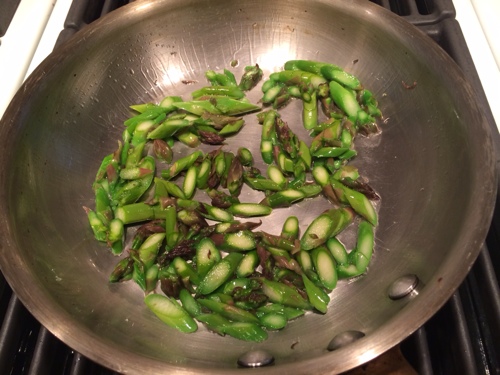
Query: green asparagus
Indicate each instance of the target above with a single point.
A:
(185, 249)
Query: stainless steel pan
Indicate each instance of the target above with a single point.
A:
(433, 165)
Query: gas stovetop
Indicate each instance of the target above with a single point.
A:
(462, 338)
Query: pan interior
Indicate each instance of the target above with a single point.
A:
(431, 165)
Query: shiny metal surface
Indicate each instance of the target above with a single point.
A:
(433, 165)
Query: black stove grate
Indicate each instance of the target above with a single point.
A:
(7, 10)
(462, 338)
